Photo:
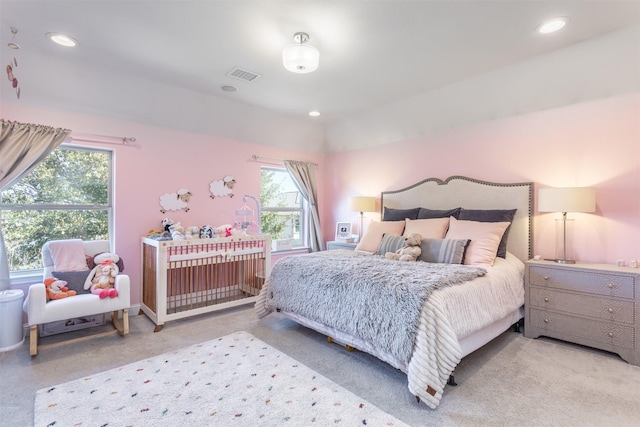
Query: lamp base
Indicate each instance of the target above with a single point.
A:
(561, 261)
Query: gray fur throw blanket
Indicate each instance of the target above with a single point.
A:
(368, 296)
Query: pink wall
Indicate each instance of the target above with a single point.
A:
(166, 161)
(594, 144)
(590, 144)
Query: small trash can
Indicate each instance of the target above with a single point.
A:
(11, 334)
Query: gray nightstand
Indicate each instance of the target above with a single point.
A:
(339, 245)
(590, 304)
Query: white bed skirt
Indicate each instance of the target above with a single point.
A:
(468, 344)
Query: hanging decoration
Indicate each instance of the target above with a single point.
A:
(177, 201)
(246, 218)
(222, 187)
(13, 63)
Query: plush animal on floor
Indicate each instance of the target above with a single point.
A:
(57, 289)
(103, 276)
(410, 251)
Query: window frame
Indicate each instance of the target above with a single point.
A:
(18, 277)
(303, 210)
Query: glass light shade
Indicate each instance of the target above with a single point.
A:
(300, 58)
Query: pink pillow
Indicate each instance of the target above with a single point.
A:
(373, 236)
(485, 238)
(432, 228)
(68, 255)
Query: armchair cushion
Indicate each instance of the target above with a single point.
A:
(75, 279)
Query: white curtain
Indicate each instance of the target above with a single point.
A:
(22, 148)
(304, 176)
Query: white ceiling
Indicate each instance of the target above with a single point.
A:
(372, 53)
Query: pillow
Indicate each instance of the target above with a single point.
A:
(68, 255)
(432, 228)
(424, 213)
(491, 215)
(390, 243)
(399, 214)
(485, 238)
(75, 279)
(373, 236)
(447, 251)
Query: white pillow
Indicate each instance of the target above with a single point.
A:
(485, 238)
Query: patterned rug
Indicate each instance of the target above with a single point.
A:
(234, 380)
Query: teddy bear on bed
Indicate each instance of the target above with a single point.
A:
(410, 251)
(103, 276)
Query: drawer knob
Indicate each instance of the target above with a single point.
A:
(546, 299)
(546, 320)
(610, 310)
(545, 277)
(611, 286)
(610, 334)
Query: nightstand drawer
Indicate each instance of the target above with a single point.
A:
(582, 304)
(615, 285)
(597, 333)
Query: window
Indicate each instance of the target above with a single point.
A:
(66, 196)
(283, 207)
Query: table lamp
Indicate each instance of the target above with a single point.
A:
(362, 204)
(568, 199)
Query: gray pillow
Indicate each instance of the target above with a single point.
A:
(75, 279)
(425, 213)
(390, 243)
(447, 251)
(391, 214)
(491, 215)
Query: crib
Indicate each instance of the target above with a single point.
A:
(182, 278)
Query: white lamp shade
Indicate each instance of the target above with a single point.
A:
(362, 204)
(571, 199)
(300, 58)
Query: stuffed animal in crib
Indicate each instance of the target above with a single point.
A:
(410, 251)
(57, 289)
(103, 276)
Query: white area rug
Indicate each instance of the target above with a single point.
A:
(233, 380)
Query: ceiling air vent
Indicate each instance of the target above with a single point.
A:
(240, 74)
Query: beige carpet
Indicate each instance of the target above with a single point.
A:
(513, 381)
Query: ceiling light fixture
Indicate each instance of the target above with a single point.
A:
(62, 39)
(314, 113)
(553, 25)
(300, 57)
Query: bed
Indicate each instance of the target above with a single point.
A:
(420, 317)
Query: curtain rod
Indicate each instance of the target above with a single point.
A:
(128, 141)
(271, 161)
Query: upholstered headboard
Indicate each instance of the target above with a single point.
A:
(468, 193)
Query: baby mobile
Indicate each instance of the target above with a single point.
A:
(13, 63)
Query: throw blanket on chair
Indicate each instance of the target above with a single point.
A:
(373, 298)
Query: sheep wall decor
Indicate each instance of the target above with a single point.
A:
(175, 201)
(222, 187)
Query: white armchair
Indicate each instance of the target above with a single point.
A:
(40, 311)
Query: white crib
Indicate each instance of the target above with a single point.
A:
(189, 277)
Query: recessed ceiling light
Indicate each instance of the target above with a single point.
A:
(314, 113)
(553, 25)
(62, 39)
(228, 88)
